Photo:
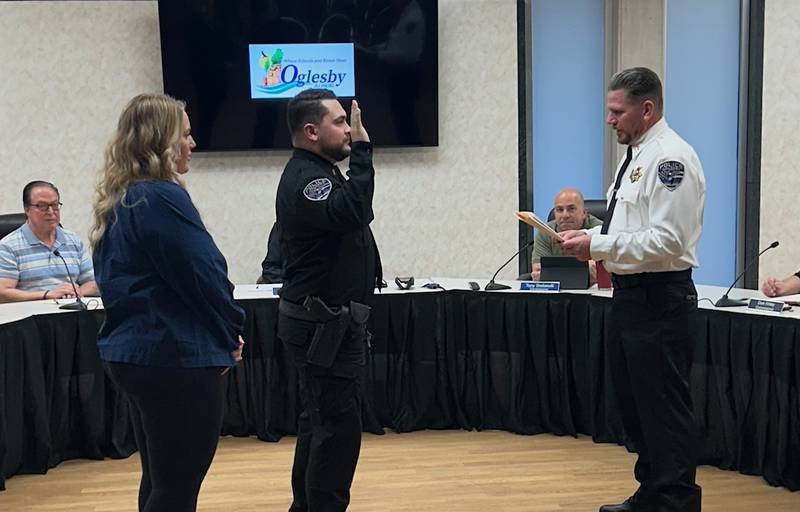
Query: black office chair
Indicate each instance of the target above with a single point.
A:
(11, 221)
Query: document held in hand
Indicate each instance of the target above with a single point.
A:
(531, 219)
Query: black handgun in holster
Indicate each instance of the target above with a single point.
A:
(331, 327)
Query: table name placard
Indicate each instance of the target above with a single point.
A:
(766, 305)
(540, 286)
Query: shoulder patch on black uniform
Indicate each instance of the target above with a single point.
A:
(318, 189)
(671, 174)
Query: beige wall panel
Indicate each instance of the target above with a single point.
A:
(66, 70)
(780, 143)
(641, 34)
(639, 42)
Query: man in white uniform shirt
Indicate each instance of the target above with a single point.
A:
(649, 244)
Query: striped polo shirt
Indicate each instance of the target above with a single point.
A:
(24, 258)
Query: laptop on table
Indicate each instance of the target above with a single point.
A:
(571, 273)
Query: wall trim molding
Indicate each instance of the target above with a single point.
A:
(750, 108)
(525, 124)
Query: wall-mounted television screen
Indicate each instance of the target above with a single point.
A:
(236, 64)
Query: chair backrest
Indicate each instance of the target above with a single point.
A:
(596, 207)
(10, 221)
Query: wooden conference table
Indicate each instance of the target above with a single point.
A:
(441, 359)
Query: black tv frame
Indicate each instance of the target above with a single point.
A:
(205, 63)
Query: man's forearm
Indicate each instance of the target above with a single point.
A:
(792, 284)
(15, 295)
(89, 289)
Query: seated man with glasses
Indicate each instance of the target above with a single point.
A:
(34, 258)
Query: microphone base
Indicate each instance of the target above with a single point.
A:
(74, 306)
(725, 302)
(496, 286)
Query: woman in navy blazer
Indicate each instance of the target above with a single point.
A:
(172, 328)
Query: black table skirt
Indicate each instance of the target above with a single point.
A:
(455, 360)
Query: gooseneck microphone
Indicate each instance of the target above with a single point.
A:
(491, 285)
(724, 301)
(78, 305)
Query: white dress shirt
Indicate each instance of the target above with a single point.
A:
(657, 220)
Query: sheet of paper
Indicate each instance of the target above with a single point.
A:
(531, 219)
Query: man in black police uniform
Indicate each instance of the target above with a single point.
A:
(331, 269)
(648, 242)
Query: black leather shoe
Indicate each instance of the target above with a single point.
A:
(629, 505)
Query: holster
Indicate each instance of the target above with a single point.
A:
(359, 313)
(331, 328)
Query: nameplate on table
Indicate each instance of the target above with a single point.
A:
(540, 286)
(276, 288)
(766, 305)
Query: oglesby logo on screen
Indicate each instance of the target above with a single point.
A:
(285, 70)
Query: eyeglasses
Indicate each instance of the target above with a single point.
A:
(43, 207)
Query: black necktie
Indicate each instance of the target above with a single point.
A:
(613, 203)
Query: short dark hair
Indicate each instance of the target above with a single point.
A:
(641, 83)
(307, 107)
(28, 190)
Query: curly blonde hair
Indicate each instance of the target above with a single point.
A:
(145, 147)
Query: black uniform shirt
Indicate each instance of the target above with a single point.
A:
(324, 221)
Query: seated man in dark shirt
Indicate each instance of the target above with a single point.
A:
(570, 213)
(272, 266)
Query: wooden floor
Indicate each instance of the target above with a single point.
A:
(452, 471)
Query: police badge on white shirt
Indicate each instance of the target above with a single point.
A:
(671, 174)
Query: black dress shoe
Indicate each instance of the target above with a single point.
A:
(629, 505)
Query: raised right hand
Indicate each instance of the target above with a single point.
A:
(357, 131)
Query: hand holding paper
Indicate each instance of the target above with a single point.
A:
(578, 244)
(531, 219)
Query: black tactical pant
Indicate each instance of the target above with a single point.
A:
(329, 428)
(653, 317)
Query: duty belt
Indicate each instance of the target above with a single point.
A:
(330, 326)
(622, 281)
(314, 310)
